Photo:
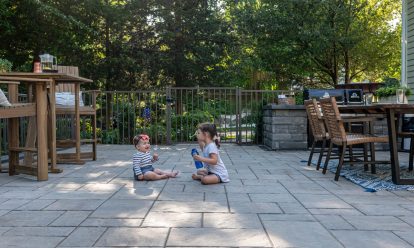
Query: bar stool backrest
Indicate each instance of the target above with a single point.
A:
(67, 87)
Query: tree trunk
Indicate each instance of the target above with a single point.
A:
(107, 52)
(335, 66)
(108, 86)
(178, 45)
(347, 67)
(334, 50)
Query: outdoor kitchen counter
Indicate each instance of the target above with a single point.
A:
(285, 127)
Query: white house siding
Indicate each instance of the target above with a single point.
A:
(409, 11)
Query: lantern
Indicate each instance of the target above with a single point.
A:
(48, 63)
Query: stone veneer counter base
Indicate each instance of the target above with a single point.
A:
(285, 127)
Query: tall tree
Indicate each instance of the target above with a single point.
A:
(332, 41)
(193, 40)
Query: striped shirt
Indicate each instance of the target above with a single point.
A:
(140, 160)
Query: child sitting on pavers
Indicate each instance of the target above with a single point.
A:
(143, 161)
(215, 171)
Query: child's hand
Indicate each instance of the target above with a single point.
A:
(197, 157)
(155, 157)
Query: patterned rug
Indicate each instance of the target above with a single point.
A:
(372, 182)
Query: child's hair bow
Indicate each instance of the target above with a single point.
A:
(143, 137)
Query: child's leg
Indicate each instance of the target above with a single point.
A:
(169, 174)
(210, 179)
(200, 174)
(196, 177)
(152, 176)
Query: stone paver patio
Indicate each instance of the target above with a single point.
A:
(273, 200)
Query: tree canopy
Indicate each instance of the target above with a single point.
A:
(144, 44)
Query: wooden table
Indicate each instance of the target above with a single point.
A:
(56, 78)
(390, 111)
(40, 87)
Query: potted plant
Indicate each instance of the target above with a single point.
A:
(5, 65)
(387, 93)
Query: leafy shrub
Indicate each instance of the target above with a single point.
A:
(109, 136)
(5, 65)
(189, 121)
(390, 88)
(299, 98)
(157, 133)
(86, 128)
(125, 120)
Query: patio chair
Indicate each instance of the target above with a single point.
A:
(317, 128)
(338, 136)
(83, 111)
(320, 133)
(13, 110)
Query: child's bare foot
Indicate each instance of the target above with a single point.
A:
(202, 172)
(174, 174)
(196, 177)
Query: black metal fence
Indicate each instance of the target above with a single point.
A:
(171, 115)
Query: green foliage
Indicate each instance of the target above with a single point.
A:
(185, 125)
(318, 41)
(299, 100)
(156, 131)
(125, 120)
(391, 83)
(390, 88)
(5, 65)
(110, 136)
(127, 45)
(386, 91)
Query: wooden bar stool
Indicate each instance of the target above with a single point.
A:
(36, 139)
(71, 110)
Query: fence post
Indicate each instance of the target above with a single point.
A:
(168, 115)
(238, 117)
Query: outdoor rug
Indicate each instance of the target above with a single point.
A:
(372, 182)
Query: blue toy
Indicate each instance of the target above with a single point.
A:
(198, 164)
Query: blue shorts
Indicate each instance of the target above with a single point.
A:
(146, 169)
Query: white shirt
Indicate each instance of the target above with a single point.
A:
(219, 169)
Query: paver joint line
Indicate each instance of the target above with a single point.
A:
(271, 198)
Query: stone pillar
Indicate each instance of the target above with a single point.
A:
(285, 127)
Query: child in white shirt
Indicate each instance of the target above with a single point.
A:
(216, 171)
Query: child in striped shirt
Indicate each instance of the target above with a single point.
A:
(142, 161)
